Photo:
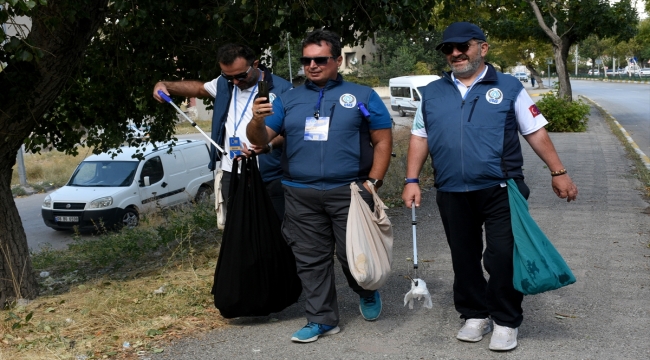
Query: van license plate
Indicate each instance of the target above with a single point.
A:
(66, 218)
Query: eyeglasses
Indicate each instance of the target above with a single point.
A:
(448, 48)
(319, 60)
(239, 77)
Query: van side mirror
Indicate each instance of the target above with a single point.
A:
(146, 181)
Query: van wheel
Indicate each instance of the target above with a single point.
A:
(401, 112)
(130, 218)
(203, 194)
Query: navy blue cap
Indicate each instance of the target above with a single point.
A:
(460, 32)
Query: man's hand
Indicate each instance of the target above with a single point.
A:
(258, 149)
(159, 86)
(260, 109)
(410, 194)
(564, 187)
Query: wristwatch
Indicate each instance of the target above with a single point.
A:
(376, 182)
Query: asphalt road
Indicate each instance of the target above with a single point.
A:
(629, 103)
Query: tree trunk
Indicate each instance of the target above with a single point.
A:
(561, 55)
(560, 52)
(29, 89)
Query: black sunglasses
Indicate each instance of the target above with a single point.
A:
(448, 48)
(240, 77)
(319, 60)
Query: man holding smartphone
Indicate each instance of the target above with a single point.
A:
(336, 133)
(234, 92)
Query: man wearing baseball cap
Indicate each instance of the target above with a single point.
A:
(470, 121)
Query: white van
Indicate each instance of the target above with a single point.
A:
(114, 191)
(404, 94)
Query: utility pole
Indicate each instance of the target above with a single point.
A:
(20, 161)
(289, 57)
(576, 60)
(549, 61)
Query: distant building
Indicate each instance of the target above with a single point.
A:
(358, 55)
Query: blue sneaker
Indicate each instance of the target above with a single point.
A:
(312, 331)
(370, 306)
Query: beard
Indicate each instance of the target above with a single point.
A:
(467, 70)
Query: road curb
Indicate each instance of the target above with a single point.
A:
(644, 158)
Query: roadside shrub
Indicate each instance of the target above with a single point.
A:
(370, 81)
(563, 115)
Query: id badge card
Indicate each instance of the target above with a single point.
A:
(317, 129)
(235, 146)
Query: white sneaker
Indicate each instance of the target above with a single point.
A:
(474, 329)
(503, 338)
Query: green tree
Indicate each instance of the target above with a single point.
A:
(593, 48)
(400, 54)
(87, 66)
(643, 38)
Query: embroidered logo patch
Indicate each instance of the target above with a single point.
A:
(494, 96)
(534, 110)
(272, 97)
(348, 101)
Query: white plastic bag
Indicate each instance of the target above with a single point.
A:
(418, 293)
(369, 241)
(219, 205)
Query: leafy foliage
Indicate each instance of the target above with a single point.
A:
(563, 115)
(400, 54)
(145, 41)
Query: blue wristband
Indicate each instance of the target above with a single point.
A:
(411, 181)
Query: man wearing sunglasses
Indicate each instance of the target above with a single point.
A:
(234, 92)
(335, 133)
(469, 121)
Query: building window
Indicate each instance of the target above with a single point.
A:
(363, 59)
(350, 59)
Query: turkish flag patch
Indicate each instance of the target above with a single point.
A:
(534, 110)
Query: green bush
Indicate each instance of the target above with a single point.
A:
(563, 115)
(371, 81)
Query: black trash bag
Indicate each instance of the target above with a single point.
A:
(256, 271)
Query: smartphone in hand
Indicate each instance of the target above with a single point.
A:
(263, 90)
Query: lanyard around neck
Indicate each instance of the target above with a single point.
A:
(241, 117)
(317, 107)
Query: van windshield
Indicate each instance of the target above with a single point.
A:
(104, 173)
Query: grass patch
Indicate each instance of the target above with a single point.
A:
(640, 171)
(49, 168)
(184, 127)
(120, 294)
(391, 191)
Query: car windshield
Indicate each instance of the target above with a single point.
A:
(104, 173)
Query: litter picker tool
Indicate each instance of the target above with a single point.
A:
(414, 223)
(169, 100)
(419, 289)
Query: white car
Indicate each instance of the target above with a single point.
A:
(594, 72)
(115, 190)
(521, 76)
(644, 72)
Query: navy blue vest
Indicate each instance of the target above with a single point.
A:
(269, 163)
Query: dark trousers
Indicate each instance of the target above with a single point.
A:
(273, 187)
(314, 226)
(463, 217)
